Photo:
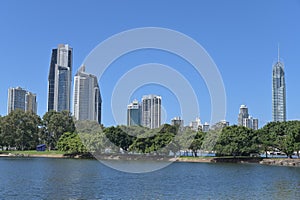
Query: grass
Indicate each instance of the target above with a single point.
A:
(35, 152)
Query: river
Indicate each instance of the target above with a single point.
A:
(49, 178)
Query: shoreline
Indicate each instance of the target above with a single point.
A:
(295, 162)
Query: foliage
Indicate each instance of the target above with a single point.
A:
(281, 136)
(70, 143)
(20, 129)
(55, 124)
(236, 141)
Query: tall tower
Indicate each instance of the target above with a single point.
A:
(243, 114)
(59, 79)
(87, 99)
(278, 92)
(151, 111)
(134, 113)
(19, 98)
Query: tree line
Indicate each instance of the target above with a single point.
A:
(25, 130)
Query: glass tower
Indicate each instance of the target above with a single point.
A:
(134, 114)
(278, 92)
(59, 79)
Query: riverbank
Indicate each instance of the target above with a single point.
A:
(295, 162)
(264, 161)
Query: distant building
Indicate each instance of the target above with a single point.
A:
(87, 99)
(19, 98)
(134, 114)
(220, 125)
(243, 114)
(59, 79)
(205, 127)
(177, 121)
(151, 111)
(278, 92)
(196, 125)
(245, 120)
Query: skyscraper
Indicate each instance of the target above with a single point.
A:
(151, 111)
(19, 98)
(243, 114)
(87, 98)
(134, 114)
(278, 92)
(59, 79)
(245, 120)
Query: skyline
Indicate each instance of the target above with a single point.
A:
(246, 66)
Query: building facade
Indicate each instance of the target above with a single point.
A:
(19, 98)
(177, 121)
(134, 113)
(196, 125)
(151, 111)
(242, 114)
(87, 100)
(245, 120)
(278, 92)
(59, 79)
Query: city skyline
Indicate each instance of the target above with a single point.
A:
(242, 43)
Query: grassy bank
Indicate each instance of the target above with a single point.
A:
(33, 152)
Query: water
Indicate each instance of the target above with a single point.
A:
(48, 178)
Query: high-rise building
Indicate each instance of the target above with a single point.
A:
(196, 125)
(278, 92)
(243, 114)
(19, 98)
(151, 111)
(30, 102)
(87, 98)
(245, 120)
(59, 79)
(205, 127)
(134, 114)
(177, 121)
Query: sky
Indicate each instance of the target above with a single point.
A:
(241, 37)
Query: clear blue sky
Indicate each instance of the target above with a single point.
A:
(240, 36)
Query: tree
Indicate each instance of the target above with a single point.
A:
(236, 141)
(92, 136)
(119, 137)
(71, 143)
(55, 124)
(197, 142)
(21, 130)
(282, 136)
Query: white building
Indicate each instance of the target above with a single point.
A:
(245, 120)
(87, 99)
(151, 111)
(196, 125)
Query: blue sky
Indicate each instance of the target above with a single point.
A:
(240, 36)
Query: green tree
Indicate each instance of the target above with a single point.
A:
(55, 124)
(236, 141)
(197, 142)
(21, 130)
(71, 143)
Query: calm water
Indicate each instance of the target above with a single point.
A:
(42, 178)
